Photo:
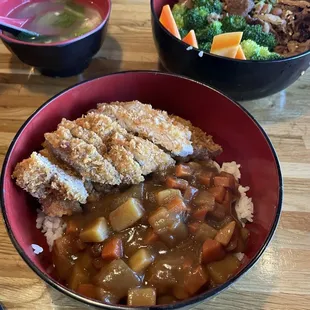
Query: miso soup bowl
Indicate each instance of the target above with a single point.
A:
(242, 138)
(58, 59)
(239, 79)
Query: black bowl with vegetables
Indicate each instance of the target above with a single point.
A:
(54, 55)
(274, 59)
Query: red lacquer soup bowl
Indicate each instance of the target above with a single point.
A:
(242, 138)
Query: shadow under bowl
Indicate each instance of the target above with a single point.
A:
(239, 79)
(241, 137)
(58, 59)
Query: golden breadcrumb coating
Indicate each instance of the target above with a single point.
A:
(154, 125)
(39, 177)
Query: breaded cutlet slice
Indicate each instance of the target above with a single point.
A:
(154, 125)
(100, 124)
(125, 164)
(39, 177)
(121, 158)
(86, 135)
(203, 144)
(53, 206)
(56, 161)
(149, 156)
(82, 157)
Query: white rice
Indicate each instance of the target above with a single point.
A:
(239, 256)
(244, 206)
(51, 227)
(232, 168)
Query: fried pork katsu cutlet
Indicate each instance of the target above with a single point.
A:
(203, 144)
(149, 156)
(82, 157)
(101, 124)
(125, 164)
(52, 206)
(145, 153)
(117, 144)
(86, 135)
(39, 177)
(154, 125)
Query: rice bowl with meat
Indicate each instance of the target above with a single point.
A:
(132, 189)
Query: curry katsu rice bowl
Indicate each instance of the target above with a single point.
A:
(141, 189)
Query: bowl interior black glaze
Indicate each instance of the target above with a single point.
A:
(241, 80)
(60, 59)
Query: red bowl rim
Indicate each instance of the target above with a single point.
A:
(66, 42)
(187, 302)
(217, 56)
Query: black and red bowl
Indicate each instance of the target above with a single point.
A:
(58, 59)
(240, 79)
(242, 138)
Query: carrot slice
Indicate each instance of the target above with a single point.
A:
(212, 251)
(176, 206)
(167, 20)
(191, 39)
(113, 249)
(176, 183)
(151, 237)
(240, 55)
(87, 290)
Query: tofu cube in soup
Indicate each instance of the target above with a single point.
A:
(117, 278)
(126, 215)
(139, 261)
(141, 297)
(96, 231)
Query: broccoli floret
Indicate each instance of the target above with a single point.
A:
(196, 18)
(179, 10)
(214, 6)
(249, 48)
(256, 33)
(206, 46)
(271, 56)
(233, 23)
(183, 32)
(207, 34)
(253, 51)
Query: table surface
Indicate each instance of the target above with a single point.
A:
(280, 280)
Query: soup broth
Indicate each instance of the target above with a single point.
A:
(57, 20)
